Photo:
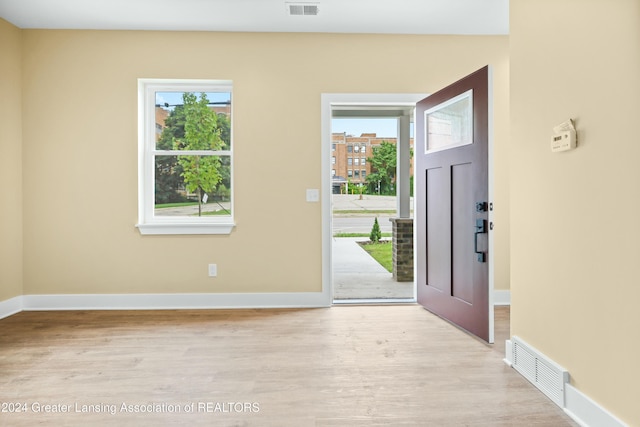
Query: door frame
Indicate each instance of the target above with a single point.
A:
(328, 102)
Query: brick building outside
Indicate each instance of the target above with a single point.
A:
(350, 158)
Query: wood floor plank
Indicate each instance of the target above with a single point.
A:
(340, 366)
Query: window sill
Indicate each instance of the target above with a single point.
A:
(191, 228)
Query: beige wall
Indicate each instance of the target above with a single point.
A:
(80, 173)
(575, 283)
(10, 162)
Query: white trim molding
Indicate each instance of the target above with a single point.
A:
(10, 307)
(586, 412)
(172, 301)
(508, 353)
(191, 228)
(501, 297)
(169, 301)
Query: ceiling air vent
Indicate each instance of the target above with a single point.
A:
(302, 9)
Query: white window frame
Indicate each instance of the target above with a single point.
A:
(148, 222)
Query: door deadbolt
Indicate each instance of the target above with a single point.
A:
(481, 228)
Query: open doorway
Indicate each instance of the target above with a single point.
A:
(364, 202)
(365, 133)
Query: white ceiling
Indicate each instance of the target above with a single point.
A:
(335, 16)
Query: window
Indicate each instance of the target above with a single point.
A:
(363, 174)
(333, 160)
(356, 161)
(349, 148)
(185, 174)
(349, 161)
(356, 148)
(449, 124)
(356, 173)
(364, 149)
(333, 172)
(363, 161)
(333, 147)
(349, 173)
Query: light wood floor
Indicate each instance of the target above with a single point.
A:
(341, 366)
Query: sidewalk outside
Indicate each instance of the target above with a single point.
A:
(356, 275)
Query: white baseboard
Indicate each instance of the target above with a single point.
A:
(501, 297)
(176, 301)
(173, 301)
(10, 307)
(582, 409)
(586, 412)
(508, 353)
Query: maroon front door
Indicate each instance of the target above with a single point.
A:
(452, 222)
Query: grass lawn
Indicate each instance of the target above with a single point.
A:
(175, 205)
(381, 252)
(184, 204)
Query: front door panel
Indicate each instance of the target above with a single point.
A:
(462, 218)
(438, 254)
(451, 195)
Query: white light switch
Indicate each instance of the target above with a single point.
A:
(213, 270)
(313, 195)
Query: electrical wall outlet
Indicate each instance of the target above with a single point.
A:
(213, 270)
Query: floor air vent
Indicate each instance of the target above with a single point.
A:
(302, 9)
(542, 372)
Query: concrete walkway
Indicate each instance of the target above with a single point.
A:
(356, 275)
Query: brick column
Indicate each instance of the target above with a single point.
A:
(402, 249)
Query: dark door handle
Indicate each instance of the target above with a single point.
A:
(481, 228)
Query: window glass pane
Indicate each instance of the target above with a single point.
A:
(193, 121)
(182, 181)
(450, 124)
